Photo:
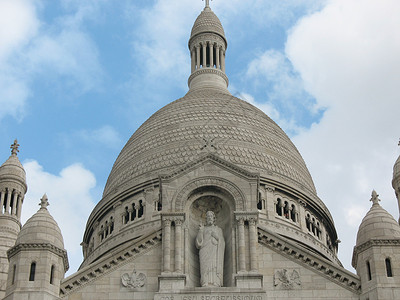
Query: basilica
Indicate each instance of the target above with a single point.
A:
(208, 200)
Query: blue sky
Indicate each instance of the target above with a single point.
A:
(77, 78)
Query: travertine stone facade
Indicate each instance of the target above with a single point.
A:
(208, 152)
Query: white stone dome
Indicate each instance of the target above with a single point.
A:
(209, 120)
(13, 169)
(377, 224)
(41, 228)
(207, 22)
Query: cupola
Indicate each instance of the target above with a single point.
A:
(207, 45)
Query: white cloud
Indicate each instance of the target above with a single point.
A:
(18, 23)
(347, 56)
(70, 201)
(31, 49)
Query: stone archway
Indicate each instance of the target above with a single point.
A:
(236, 196)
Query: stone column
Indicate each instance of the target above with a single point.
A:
(186, 249)
(211, 48)
(178, 246)
(20, 199)
(217, 58)
(193, 59)
(253, 244)
(8, 201)
(241, 242)
(167, 245)
(204, 54)
(2, 194)
(14, 203)
(197, 57)
(222, 54)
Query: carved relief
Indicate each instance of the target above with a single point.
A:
(286, 279)
(133, 281)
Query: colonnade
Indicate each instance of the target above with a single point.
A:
(10, 202)
(208, 55)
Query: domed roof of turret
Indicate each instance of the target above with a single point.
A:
(377, 224)
(12, 167)
(207, 22)
(41, 228)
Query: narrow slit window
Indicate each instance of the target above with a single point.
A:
(14, 274)
(52, 274)
(32, 272)
(369, 271)
(388, 267)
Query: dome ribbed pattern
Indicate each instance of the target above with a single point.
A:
(12, 167)
(208, 120)
(41, 228)
(207, 21)
(377, 224)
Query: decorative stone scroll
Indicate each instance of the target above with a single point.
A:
(286, 279)
(133, 281)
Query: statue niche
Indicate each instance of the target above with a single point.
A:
(211, 244)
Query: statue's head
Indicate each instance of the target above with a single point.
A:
(210, 218)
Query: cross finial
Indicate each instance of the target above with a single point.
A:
(374, 198)
(44, 202)
(14, 148)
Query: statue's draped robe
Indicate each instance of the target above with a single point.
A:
(211, 243)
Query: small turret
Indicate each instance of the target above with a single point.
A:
(207, 45)
(38, 261)
(376, 254)
(12, 191)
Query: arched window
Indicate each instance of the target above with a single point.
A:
(126, 216)
(133, 215)
(369, 271)
(388, 267)
(53, 267)
(279, 207)
(111, 225)
(293, 213)
(141, 209)
(259, 203)
(286, 210)
(32, 272)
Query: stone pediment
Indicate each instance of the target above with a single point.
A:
(309, 260)
(209, 159)
(108, 264)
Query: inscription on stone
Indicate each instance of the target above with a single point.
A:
(211, 297)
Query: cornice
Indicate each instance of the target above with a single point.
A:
(108, 264)
(306, 258)
(371, 243)
(38, 247)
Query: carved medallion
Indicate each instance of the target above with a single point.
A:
(133, 281)
(286, 279)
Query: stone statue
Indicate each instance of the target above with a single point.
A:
(211, 245)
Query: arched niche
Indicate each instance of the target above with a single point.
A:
(237, 198)
(198, 202)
